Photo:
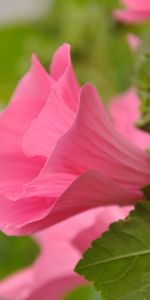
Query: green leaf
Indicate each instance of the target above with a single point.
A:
(83, 293)
(119, 262)
(16, 253)
(146, 191)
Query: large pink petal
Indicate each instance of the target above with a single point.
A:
(125, 112)
(18, 286)
(14, 214)
(94, 222)
(15, 171)
(51, 275)
(137, 4)
(33, 204)
(103, 217)
(76, 223)
(53, 270)
(131, 16)
(54, 119)
(56, 289)
(57, 255)
(59, 112)
(93, 143)
(135, 11)
(62, 248)
(28, 100)
(89, 190)
(121, 169)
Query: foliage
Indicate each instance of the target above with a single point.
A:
(119, 262)
(16, 253)
(94, 37)
(84, 292)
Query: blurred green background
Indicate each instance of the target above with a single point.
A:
(100, 54)
(99, 49)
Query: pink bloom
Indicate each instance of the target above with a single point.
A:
(136, 11)
(133, 41)
(60, 153)
(51, 276)
(125, 112)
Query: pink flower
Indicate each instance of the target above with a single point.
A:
(125, 112)
(136, 11)
(133, 41)
(51, 276)
(60, 153)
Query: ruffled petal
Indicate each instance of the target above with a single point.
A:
(15, 171)
(51, 275)
(59, 112)
(89, 190)
(61, 65)
(32, 205)
(26, 103)
(125, 112)
(15, 214)
(104, 170)
(64, 243)
(28, 100)
(62, 248)
(93, 143)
